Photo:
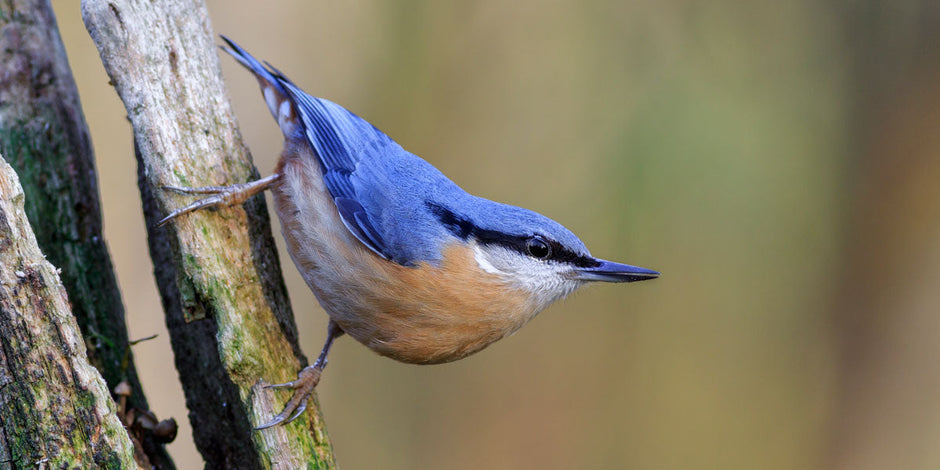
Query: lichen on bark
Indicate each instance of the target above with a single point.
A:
(43, 135)
(219, 278)
(55, 408)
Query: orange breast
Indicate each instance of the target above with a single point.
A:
(431, 314)
(425, 314)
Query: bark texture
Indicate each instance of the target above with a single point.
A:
(218, 274)
(44, 137)
(55, 409)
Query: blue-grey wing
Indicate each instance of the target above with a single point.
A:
(375, 184)
(340, 140)
(380, 190)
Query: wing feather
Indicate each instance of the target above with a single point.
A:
(342, 141)
(378, 188)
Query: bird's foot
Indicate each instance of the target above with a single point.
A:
(307, 380)
(220, 196)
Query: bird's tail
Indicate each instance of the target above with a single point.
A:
(272, 86)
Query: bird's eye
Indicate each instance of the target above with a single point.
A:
(538, 248)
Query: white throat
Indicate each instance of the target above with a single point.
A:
(545, 281)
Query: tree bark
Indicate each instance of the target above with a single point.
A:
(44, 136)
(55, 410)
(218, 274)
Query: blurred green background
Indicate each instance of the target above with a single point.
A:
(779, 162)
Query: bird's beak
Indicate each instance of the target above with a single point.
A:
(608, 271)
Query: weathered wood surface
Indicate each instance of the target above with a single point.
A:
(55, 409)
(44, 137)
(219, 277)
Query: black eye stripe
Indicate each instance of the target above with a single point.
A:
(564, 255)
(464, 229)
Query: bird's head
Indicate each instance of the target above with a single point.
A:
(534, 253)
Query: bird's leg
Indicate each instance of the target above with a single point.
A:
(221, 196)
(307, 380)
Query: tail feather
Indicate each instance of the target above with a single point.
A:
(270, 80)
(281, 78)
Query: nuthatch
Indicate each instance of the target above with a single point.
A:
(400, 257)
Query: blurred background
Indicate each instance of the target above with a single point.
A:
(779, 162)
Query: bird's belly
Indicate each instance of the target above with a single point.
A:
(424, 314)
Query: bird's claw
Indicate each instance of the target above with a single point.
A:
(282, 418)
(201, 190)
(307, 380)
(220, 196)
(292, 384)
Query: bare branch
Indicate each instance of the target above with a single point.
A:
(219, 277)
(44, 137)
(55, 408)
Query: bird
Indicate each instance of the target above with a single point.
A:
(400, 257)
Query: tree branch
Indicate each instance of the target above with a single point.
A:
(44, 137)
(217, 272)
(55, 410)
